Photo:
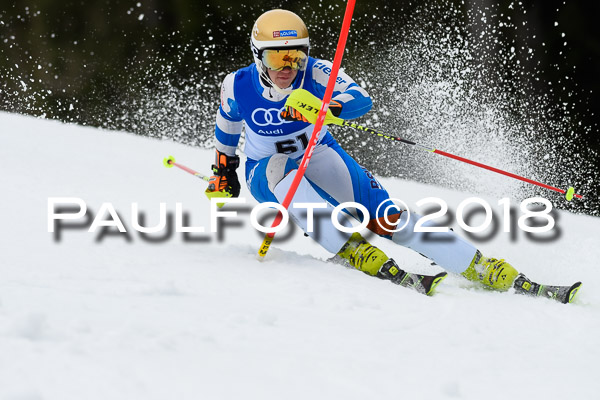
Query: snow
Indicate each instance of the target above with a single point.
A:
(91, 316)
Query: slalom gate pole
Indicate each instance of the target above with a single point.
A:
(169, 162)
(569, 193)
(337, 61)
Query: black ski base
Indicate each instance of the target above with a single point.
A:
(424, 284)
(563, 294)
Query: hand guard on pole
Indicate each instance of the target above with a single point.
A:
(291, 114)
(302, 105)
(225, 180)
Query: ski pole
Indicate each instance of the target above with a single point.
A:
(569, 193)
(307, 104)
(337, 60)
(169, 162)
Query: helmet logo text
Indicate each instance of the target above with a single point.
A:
(287, 33)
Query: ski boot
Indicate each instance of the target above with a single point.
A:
(493, 273)
(500, 275)
(362, 255)
(365, 257)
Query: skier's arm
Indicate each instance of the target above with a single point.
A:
(228, 129)
(353, 100)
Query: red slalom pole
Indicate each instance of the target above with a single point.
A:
(337, 61)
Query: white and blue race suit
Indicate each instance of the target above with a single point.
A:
(274, 148)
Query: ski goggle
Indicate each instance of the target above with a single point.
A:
(278, 59)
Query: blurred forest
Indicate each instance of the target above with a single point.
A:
(153, 67)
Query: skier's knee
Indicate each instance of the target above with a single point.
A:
(384, 226)
(277, 168)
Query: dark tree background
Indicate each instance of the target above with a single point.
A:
(153, 67)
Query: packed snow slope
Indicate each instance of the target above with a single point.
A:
(108, 315)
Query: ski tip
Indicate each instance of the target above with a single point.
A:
(436, 281)
(572, 292)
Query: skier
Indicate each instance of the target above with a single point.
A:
(276, 138)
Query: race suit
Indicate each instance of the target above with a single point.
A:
(275, 146)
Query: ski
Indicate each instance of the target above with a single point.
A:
(563, 294)
(424, 284)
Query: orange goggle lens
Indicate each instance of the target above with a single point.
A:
(280, 59)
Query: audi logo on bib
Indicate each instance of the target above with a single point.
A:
(271, 116)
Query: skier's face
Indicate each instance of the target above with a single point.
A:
(284, 78)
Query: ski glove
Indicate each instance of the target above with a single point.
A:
(224, 182)
(291, 114)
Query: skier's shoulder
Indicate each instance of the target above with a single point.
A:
(229, 84)
(230, 78)
(319, 64)
(321, 70)
(246, 71)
